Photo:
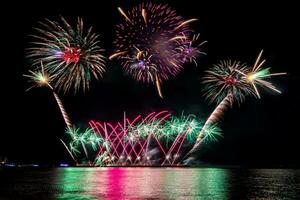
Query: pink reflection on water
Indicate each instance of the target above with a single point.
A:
(132, 183)
(115, 183)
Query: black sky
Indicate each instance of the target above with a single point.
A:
(262, 132)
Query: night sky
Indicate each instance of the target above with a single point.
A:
(258, 132)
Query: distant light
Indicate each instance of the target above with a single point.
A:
(138, 157)
(35, 165)
(64, 165)
(10, 165)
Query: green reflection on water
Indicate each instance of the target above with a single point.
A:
(208, 183)
(75, 183)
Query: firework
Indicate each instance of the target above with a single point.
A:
(212, 132)
(224, 85)
(257, 75)
(178, 125)
(85, 140)
(125, 143)
(178, 130)
(72, 55)
(70, 153)
(229, 82)
(41, 78)
(224, 79)
(191, 49)
(157, 139)
(150, 43)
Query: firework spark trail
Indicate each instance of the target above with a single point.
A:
(185, 23)
(167, 115)
(155, 124)
(213, 118)
(41, 78)
(171, 148)
(112, 142)
(68, 150)
(157, 81)
(94, 127)
(84, 149)
(177, 139)
(95, 133)
(117, 138)
(131, 124)
(123, 134)
(62, 110)
(179, 148)
(216, 114)
(124, 14)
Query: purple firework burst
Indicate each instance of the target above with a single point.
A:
(148, 42)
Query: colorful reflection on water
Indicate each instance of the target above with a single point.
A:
(149, 183)
(142, 183)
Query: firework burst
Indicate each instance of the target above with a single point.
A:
(258, 74)
(191, 49)
(225, 80)
(72, 55)
(39, 78)
(85, 140)
(176, 126)
(212, 133)
(148, 41)
(230, 81)
(225, 85)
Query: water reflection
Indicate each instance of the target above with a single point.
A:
(265, 184)
(75, 183)
(143, 183)
(149, 183)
